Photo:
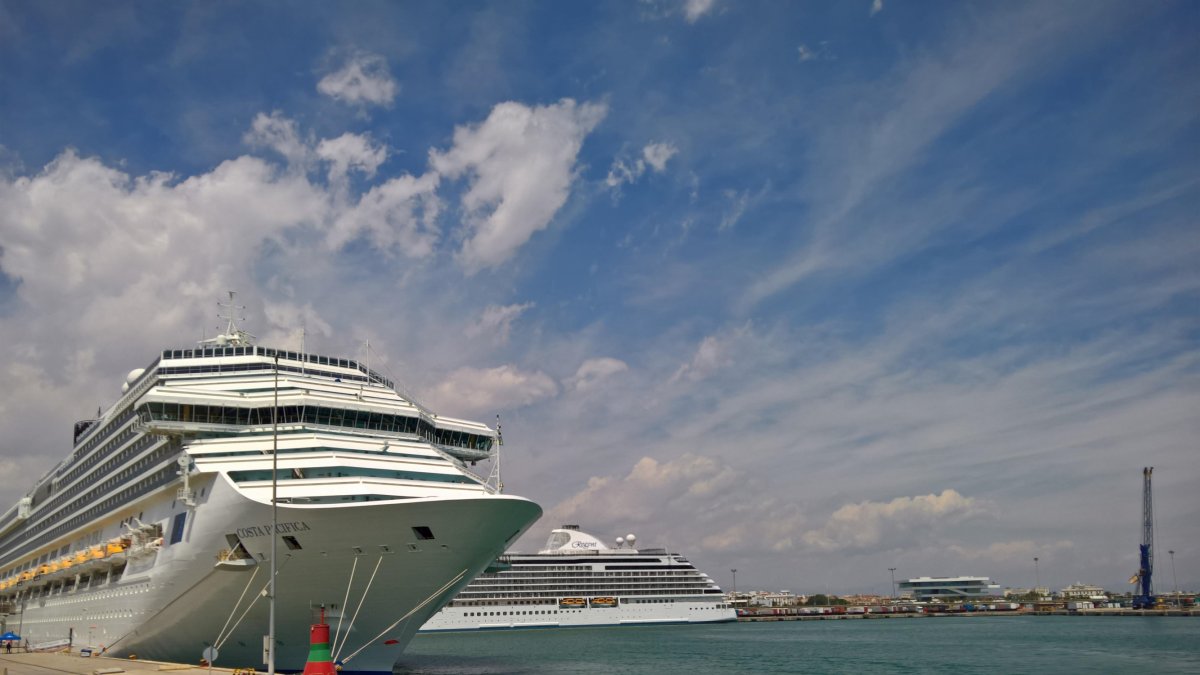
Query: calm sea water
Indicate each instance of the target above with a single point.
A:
(1006, 644)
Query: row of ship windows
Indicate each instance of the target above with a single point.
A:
(430, 458)
(593, 590)
(586, 574)
(115, 478)
(514, 613)
(590, 581)
(346, 472)
(93, 490)
(147, 484)
(211, 352)
(106, 436)
(142, 444)
(318, 415)
(555, 599)
(252, 367)
(340, 499)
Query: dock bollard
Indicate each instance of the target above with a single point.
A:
(320, 661)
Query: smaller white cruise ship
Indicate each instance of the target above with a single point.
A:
(578, 581)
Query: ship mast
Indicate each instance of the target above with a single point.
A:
(233, 336)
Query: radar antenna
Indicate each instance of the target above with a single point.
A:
(233, 336)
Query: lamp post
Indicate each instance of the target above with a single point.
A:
(734, 572)
(274, 519)
(893, 571)
(1173, 578)
(1037, 579)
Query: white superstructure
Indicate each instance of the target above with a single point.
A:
(153, 537)
(578, 581)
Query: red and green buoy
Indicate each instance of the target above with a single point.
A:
(320, 661)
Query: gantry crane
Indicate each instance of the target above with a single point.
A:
(1144, 598)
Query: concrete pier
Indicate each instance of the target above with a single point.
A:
(52, 663)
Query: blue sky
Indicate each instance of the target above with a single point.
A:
(811, 290)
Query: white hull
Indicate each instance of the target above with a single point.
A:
(171, 604)
(498, 617)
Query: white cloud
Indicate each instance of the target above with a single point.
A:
(657, 154)
(363, 79)
(876, 7)
(397, 215)
(805, 53)
(714, 353)
(278, 133)
(1021, 550)
(351, 151)
(685, 483)
(521, 162)
(497, 320)
(737, 206)
(654, 155)
(401, 214)
(475, 391)
(592, 371)
(694, 9)
(296, 325)
(690, 498)
(620, 172)
(868, 525)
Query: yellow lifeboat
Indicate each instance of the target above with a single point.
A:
(27, 575)
(114, 547)
(42, 569)
(82, 557)
(52, 567)
(66, 563)
(95, 552)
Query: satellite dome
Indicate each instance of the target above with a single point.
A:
(620, 540)
(133, 375)
(124, 387)
(630, 538)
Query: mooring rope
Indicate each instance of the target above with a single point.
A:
(458, 577)
(258, 595)
(361, 601)
(342, 614)
(237, 604)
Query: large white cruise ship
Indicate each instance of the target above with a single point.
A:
(578, 581)
(154, 536)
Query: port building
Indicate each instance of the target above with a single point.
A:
(934, 589)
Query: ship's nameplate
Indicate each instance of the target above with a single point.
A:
(264, 530)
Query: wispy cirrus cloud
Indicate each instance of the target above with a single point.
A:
(654, 156)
